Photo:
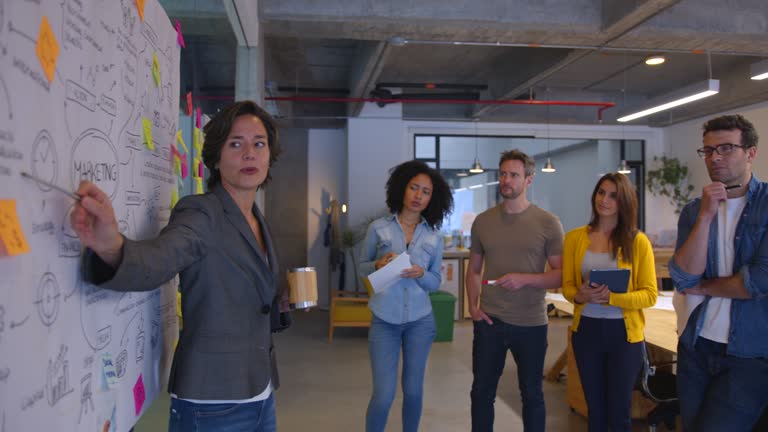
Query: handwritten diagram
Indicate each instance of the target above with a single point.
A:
(80, 80)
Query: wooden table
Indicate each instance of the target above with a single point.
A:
(661, 256)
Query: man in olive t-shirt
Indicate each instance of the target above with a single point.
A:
(515, 240)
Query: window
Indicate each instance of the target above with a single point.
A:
(566, 192)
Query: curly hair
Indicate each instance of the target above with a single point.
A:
(440, 203)
(217, 130)
(731, 122)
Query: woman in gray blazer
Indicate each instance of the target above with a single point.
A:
(223, 373)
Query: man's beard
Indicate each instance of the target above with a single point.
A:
(513, 194)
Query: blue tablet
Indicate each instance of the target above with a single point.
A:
(616, 279)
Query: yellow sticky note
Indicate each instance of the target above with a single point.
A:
(146, 124)
(155, 69)
(198, 185)
(47, 48)
(196, 140)
(140, 7)
(174, 197)
(196, 170)
(11, 235)
(180, 140)
(177, 164)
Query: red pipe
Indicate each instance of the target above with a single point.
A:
(603, 105)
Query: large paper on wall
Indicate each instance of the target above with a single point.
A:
(76, 80)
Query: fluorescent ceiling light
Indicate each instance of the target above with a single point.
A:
(759, 70)
(476, 186)
(655, 60)
(679, 97)
(492, 183)
(460, 189)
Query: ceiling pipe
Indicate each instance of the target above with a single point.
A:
(584, 47)
(603, 105)
(433, 86)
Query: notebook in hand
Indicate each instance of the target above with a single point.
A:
(616, 279)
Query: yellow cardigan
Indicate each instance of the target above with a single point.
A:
(642, 290)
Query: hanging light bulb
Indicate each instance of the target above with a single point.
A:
(548, 167)
(476, 167)
(624, 168)
(462, 174)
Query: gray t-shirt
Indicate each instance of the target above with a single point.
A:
(516, 243)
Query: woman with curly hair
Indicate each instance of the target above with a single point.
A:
(419, 199)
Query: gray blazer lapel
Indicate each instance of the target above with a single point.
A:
(270, 246)
(235, 217)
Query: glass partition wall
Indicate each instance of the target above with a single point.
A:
(579, 163)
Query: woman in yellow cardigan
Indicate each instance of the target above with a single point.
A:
(607, 326)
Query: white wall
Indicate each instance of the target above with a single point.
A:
(566, 192)
(682, 140)
(327, 162)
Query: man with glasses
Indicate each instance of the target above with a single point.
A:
(721, 265)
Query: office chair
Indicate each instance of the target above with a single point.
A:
(660, 387)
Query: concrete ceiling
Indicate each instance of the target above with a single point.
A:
(574, 50)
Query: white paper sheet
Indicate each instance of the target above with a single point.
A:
(388, 275)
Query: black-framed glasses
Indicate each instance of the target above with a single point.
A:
(721, 149)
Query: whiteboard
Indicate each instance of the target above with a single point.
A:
(73, 356)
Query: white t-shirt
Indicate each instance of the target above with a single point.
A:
(259, 397)
(717, 323)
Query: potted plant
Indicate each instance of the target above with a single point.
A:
(670, 179)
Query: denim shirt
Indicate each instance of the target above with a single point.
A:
(408, 299)
(749, 317)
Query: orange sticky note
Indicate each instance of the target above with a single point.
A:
(11, 235)
(146, 124)
(140, 7)
(155, 69)
(47, 48)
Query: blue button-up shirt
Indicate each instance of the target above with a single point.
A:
(408, 299)
(749, 317)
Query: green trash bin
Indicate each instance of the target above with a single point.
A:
(443, 307)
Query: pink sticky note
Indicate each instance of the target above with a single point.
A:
(179, 37)
(138, 394)
(200, 168)
(198, 120)
(175, 152)
(184, 169)
(189, 104)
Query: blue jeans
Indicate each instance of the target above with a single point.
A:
(384, 342)
(251, 417)
(608, 367)
(719, 392)
(528, 346)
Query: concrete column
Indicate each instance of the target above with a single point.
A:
(249, 74)
(249, 81)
